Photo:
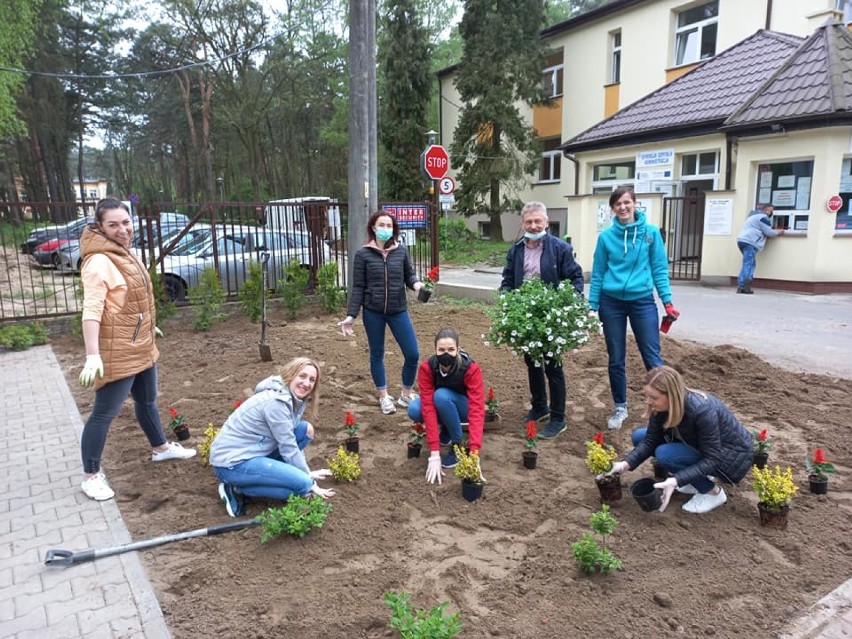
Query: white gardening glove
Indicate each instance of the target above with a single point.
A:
(322, 473)
(418, 285)
(668, 487)
(94, 367)
(617, 469)
(347, 326)
(433, 468)
(157, 332)
(479, 468)
(325, 493)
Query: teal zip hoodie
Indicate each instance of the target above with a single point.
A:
(630, 261)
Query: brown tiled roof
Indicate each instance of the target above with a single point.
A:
(699, 101)
(814, 83)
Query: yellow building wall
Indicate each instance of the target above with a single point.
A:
(547, 120)
(612, 92)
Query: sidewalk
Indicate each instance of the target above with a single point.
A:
(42, 507)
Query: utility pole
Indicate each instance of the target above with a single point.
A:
(363, 165)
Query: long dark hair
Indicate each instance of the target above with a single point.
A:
(371, 232)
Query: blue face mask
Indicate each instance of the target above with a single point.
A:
(535, 236)
(383, 235)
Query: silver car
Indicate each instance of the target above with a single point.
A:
(236, 249)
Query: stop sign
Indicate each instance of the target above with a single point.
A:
(835, 203)
(435, 162)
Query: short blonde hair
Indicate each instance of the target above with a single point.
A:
(292, 368)
(668, 381)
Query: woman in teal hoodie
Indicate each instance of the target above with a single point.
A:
(630, 262)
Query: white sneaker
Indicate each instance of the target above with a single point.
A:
(689, 489)
(706, 502)
(174, 451)
(616, 420)
(405, 400)
(386, 403)
(97, 488)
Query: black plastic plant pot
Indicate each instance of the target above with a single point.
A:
(760, 460)
(818, 486)
(414, 450)
(352, 445)
(471, 491)
(648, 497)
(423, 295)
(530, 459)
(182, 433)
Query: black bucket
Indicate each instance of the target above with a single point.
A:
(648, 497)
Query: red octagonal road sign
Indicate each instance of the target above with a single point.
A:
(835, 203)
(435, 162)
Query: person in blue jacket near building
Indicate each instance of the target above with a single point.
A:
(751, 241)
(545, 257)
(629, 263)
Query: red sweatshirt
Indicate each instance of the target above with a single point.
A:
(475, 391)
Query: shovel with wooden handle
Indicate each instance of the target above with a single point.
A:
(56, 557)
(265, 351)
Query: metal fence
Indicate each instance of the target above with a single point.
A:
(41, 279)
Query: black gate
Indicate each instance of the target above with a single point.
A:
(683, 232)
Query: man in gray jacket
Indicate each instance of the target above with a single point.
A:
(751, 240)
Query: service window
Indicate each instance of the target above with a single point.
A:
(843, 221)
(787, 187)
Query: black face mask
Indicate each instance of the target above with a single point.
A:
(446, 359)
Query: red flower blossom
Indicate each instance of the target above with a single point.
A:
(762, 436)
(418, 427)
(531, 431)
(350, 419)
(599, 439)
(174, 413)
(418, 432)
(236, 405)
(432, 275)
(490, 394)
(819, 456)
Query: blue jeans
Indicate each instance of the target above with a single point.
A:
(269, 476)
(108, 402)
(674, 457)
(644, 321)
(403, 332)
(538, 393)
(451, 408)
(749, 263)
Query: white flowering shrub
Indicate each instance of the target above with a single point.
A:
(541, 321)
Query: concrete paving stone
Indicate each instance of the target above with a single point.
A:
(76, 575)
(90, 601)
(119, 593)
(21, 506)
(35, 621)
(59, 592)
(6, 577)
(92, 619)
(99, 633)
(7, 611)
(5, 549)
(838, 629)
(49, 540)
(46, 516)
(5, 526)
(19, 490)
(66, 630)
(126, 628)
(60, 501)
(71, 520)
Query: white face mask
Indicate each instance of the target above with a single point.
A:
(534, 236)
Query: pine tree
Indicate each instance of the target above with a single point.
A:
(493, 147)
(406, 89)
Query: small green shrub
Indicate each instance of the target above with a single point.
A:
(207, 299)
(292, 286)
(591, 555)
(20, 337)
(251, 293)
(297, 518)
(330, 294)
(345, 466)
(166, 308)
(421, 624)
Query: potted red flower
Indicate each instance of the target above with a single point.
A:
(491, 406)
(352, 439)
(530, 455)
(178, 424)
(819, 468)
(428, 285)
(418, 432)
(760, 447)
(237, 403)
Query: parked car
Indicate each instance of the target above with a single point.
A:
(69, 253)
(237, 247)
(69, 231)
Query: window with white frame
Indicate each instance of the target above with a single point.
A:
(843, 222)
(608, 176)
(787, 187)
(550, 167)
(845, 6)
(703, 165)
(615, 57)
(553, 74)
(695, 33)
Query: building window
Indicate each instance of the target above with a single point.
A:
(608, 177)
(553, 75)
(615, 58)
(484, 230)
(844, 215)
(93, 195)
(551, 161)
(845, 7)
(696, 164)
(787, 187)
(695, 36)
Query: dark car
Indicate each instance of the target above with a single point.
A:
(69, 231)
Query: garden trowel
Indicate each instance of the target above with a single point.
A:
(265, 351)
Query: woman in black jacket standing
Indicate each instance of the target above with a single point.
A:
(694, 437)
(382, 270)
